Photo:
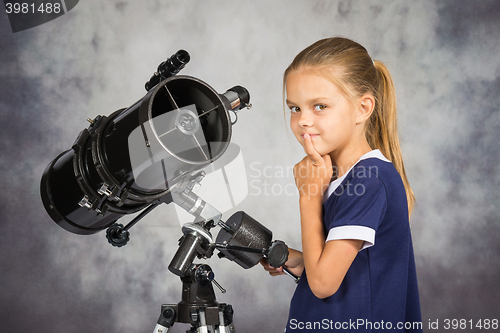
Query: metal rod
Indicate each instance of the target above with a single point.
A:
(290, 274)
(224, 226)
(238, 248)
(140, 216)
(199, 146)
(173, 129)
(219, 286)
(171, 98)
(204, 113)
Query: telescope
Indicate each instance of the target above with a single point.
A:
(153, 152)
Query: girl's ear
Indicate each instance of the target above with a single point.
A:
(366, 104)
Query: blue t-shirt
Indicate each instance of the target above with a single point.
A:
(379, 291)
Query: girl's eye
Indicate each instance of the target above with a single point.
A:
(294, 109)
(319, 107)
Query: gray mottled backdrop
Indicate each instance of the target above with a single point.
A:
(95, 59)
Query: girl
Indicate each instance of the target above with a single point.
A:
(357, 266)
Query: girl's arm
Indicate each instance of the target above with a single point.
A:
(326, 264)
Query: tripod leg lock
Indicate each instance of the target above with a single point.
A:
(226, 315)
(166, 320)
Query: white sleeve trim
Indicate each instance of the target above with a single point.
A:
(365, 234)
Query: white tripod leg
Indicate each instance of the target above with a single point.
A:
(203, 328)
(161, 329)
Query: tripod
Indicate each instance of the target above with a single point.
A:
(198, 306)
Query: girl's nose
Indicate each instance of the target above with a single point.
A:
(305, 120)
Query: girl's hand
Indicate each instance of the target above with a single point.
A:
(273, 271)
(295, 264)
(313, 173)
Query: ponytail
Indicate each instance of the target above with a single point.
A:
(382, 132)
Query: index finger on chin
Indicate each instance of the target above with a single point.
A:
(311, 151)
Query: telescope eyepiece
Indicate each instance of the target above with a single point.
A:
(169, 68)
(173, 65)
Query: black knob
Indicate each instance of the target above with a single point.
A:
(277, 253)
(117, 236)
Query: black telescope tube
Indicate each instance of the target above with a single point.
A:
(168, 68)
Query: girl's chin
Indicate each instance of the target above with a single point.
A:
(320, 151)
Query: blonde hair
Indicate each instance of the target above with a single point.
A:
(348, 65)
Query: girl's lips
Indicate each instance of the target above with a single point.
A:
(311, 135)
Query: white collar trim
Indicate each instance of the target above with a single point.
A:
(333, 185)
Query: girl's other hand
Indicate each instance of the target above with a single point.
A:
(272, 270)
(295, 264)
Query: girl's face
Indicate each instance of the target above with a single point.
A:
(318, 108)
